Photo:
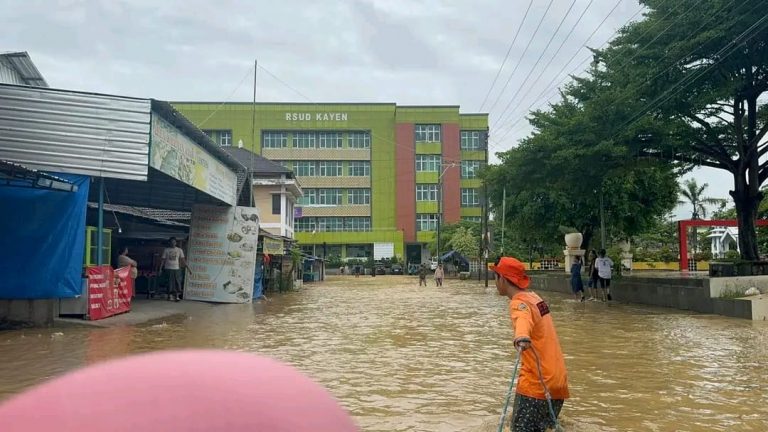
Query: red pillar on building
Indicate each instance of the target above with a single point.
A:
(452, 176)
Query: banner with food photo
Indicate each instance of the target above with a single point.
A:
(222, 254)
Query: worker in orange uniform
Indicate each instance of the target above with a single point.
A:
(536, 341)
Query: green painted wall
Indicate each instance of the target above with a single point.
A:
(425, 236)
(426, 207)
(429, 148)
(473, 121)
(473, 155)
(426, 177)
(427, 115)
(471, 183)
(471, 211)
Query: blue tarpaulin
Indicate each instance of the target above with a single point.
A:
(43, 234)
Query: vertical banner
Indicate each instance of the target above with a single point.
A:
(222, 254)
(109, 291)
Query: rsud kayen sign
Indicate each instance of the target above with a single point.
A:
(296, 116)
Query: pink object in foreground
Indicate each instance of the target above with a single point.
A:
(178, 391)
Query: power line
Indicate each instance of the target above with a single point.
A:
(525, 51)
(645, 46)
(288, 86)
(548, 88)
(527, 77)
(247, 74)
(509, 50)
(732, 46)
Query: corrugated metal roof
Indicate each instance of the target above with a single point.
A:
(155, 215)
(24, 69)
(75, 132)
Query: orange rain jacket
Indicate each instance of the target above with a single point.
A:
(532, 320)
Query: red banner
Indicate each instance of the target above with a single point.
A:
(109, 291)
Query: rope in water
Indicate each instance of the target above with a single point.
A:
(509, 395)
(558, 428)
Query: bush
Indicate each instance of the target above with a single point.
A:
(732, 255)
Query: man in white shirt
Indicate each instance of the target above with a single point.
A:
(604, 267)
(173, 261)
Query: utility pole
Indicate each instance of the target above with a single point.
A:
(440, 205)
(503, 217)
(602, 220)
(486, 239)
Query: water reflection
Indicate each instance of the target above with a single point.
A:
(401, 358)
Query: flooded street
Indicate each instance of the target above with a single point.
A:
(401, 358)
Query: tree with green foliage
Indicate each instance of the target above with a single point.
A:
(465, 242)
(690, 78)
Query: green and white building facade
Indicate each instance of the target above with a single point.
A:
(371, 173)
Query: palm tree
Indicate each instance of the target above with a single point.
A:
(694, 195)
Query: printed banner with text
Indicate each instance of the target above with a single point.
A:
(222, 254)
(109, 291)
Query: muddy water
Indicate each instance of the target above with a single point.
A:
(401, 358)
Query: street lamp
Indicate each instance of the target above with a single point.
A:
(440, 204)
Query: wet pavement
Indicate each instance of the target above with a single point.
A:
(404, 358)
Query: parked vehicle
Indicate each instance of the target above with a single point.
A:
(433, 264)
(380, 270)
(397, 269)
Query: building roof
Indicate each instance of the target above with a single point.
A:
(256, 164)
(22, 64)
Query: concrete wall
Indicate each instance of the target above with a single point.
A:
(675, 292)
(35, 312)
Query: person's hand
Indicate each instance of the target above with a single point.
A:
(522, 344)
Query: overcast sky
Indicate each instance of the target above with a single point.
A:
(403, 51)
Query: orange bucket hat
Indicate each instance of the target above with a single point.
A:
(512, 270)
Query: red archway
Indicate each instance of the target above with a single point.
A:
(682, 230)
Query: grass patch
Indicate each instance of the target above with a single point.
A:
(733, 293)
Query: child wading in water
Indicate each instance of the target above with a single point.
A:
(423, 275)
(577, 285)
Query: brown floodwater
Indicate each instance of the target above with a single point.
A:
(404, 358)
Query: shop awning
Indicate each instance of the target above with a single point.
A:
(13, 174)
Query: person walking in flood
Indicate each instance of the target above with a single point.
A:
(604, 267)
(577, 285)
(592, 275)
(423, 275)
(439, 275)
(543, 376)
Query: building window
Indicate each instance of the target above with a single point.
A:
(276, 204)
(304, 169)
(352, 224)
(471, 140)
(330, 224)
(426, 192)
(359, 140)
(359, 196)
(331, 169)
(225, 138)
(305, 224)
(359, 251)
(428, 163)
(329, 196)
(309, 198)
(359, 168)
(221, 137)
(475, 219)
(329, 140)
(469, 169)
(304, 140)
(426, 222)
(470, 198)
(274, 140)
(428, 133)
